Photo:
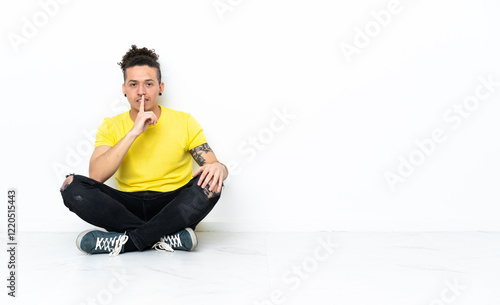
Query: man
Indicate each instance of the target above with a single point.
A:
(149, 149)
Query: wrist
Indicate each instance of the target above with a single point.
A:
(132, 135)
(225, 168)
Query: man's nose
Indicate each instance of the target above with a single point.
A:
(142, 90)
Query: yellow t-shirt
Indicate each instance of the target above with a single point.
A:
(159, 159)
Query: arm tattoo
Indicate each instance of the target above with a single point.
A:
(198, 152)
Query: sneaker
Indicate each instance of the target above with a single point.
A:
(96, 241)
(183, 240)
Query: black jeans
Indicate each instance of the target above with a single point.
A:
(145, 216)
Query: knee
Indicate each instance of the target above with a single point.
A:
(210, 194)
(66, 182)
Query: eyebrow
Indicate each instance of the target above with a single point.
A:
(146, 80)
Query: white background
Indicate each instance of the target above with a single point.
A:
(234, 67)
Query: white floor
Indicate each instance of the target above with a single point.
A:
(267, 268)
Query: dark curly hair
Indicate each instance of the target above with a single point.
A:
(140, 57)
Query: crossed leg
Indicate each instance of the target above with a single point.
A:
(113, 210)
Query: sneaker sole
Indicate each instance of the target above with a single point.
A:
(193, 238)
(81, 235)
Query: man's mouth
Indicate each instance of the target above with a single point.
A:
(145, 100)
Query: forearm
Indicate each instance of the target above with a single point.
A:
(105, 165)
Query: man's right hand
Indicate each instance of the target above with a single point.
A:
(143, 119)
(105, 160)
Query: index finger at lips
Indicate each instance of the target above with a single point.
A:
(141, 104)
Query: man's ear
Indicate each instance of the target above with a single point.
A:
(162, 87)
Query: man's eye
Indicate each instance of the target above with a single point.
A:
(150, 84)
(132, 85)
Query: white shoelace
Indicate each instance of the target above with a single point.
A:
(168, 242)
(113, 245)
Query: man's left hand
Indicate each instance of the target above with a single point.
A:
(212, 174)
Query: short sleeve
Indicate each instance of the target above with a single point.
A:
(104, 136)
(196, 136)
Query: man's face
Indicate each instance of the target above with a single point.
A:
(142, 80)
